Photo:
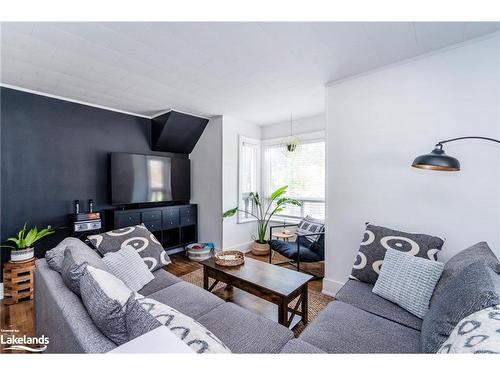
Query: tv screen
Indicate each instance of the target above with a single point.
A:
(139, 178)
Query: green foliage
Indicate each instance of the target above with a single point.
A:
(25, 240)
(277, 203)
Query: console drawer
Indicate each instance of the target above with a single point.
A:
(170, 221)
(151, 215)
(153, 226)
(188, 220)
(128, 219)
(188, 211)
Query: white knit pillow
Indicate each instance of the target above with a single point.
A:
(408, 281)
(127, 265)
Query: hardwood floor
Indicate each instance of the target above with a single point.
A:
(21, 316)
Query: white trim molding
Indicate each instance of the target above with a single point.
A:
(245, 247)
(331, 287)
(1, 291)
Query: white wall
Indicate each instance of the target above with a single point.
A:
(234, 234)
(300, 126)
(206, 182)
(378, 123)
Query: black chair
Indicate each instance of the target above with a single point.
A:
(300, 250)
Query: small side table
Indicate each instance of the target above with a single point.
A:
(18, 281)
(283, 236)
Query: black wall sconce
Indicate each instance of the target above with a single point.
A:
(437, 160)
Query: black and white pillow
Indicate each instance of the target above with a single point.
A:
(377, 240)
(479, 333)
(145, 314)
(141, 239)
(310, 225)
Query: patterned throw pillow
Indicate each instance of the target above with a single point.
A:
(127, 265)
(310, 225)
(141, 239)
(377, 240)
(145, 314)
(479, 333)
(408, 281)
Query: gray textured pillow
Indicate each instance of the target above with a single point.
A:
(377, 240)
(105, 297)
(140, 238)
(478, 333)
(128, 266)
(145, 314)
(55, 256)
(408, 281)
(478, 253)
(74, 263)
(475, 288)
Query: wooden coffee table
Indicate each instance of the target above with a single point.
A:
(262, 288)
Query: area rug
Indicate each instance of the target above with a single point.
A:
(317, 301)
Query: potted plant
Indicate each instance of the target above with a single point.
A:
(23, 249)
(277, 203)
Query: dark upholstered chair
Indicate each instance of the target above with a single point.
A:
(301, 250)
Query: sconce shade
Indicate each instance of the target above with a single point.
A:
(437, 160)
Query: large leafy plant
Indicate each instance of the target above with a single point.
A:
(25, 239)
(277, 203)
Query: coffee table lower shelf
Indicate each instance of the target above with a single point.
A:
(255, 304)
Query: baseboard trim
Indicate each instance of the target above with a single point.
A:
(245, 247)
(1, 291)
(331, 287)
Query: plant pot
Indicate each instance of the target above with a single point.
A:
(22, 255)
(260, 248)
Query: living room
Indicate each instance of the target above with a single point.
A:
(314, 186)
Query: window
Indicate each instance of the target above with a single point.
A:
(249, 175)
(304, 173)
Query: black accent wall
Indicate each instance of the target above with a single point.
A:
(53, 152)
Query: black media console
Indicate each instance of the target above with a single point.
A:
(173, 226)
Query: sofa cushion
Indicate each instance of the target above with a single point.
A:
(310, 225)
(55, 256)
(140, 238)
(128, 266)
(479, 252)
(74, 263)
(343, 328)
(188, 299)
(475, 288)
(377, 240)
(298, 346)
(145, 314)
(408, 281)
(162, 279)
(360, 295)
(245, 332)
(478, 333)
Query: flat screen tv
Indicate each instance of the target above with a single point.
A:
(139, 178)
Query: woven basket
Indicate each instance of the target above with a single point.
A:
(229, 258)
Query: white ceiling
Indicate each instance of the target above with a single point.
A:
(258, 72)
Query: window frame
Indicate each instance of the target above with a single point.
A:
(311, 137)
(242, 139)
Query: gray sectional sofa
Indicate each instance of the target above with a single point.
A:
(358, 321)
(61, 315)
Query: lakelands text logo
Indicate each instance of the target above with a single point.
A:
(20, 343)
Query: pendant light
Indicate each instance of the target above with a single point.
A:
(290, 145)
